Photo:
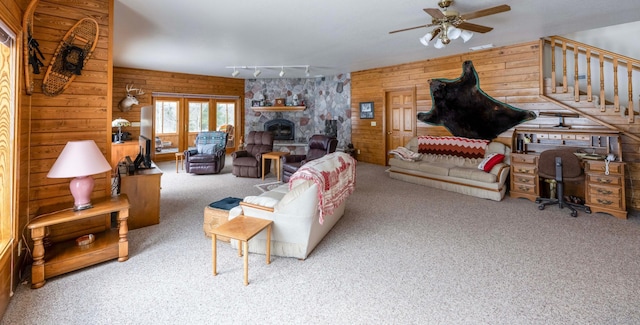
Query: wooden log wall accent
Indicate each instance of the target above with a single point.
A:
(169, 82)
(81, 112)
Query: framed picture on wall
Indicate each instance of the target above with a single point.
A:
(366, 110)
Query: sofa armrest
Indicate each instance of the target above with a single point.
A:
(190, 152)
(240, 153)
(256, 206)
(293, 158)
(501, 171)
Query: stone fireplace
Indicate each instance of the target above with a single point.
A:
(282, 129)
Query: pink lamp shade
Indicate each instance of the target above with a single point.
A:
(80, 159)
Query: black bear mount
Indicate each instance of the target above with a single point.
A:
(466, 111)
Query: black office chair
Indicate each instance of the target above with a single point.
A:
(560, 165)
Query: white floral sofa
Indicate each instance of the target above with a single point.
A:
(303, 210)
(467, 166)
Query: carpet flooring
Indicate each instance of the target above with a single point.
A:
(402, 254)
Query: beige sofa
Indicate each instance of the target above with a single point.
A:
(295, 211)
(453, 173)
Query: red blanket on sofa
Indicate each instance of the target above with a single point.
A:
(335, 176)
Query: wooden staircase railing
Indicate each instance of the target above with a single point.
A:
(586, 57)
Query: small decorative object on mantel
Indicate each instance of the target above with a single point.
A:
(279, 102)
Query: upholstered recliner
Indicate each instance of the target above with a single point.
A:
(209, 155)
(319, 145)
(248, 162)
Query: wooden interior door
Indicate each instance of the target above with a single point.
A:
(401, 117)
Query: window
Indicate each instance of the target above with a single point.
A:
(166, 116)
(8, 68)
(198, 116)
(225, 114)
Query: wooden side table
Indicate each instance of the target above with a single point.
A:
(180, 159)
(275, 155)
(67, 256)
(241, 228)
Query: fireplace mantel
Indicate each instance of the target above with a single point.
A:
(278, 108)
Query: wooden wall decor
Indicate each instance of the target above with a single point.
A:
(72, 54)
(466, 111)
(30, 48)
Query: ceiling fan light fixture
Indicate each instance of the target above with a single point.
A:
(466, 35)
(425, 39)
(438, 44)
(453, 32)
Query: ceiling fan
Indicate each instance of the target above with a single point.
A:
(450, 23)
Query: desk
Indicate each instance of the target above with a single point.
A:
(603, 193)
(241, 228)
(66, 256)
(276, 155)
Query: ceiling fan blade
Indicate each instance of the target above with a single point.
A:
(406, 29)
(485, 12)
(474, 27)
(435, 13)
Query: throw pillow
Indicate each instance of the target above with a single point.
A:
(206, 149)
(406, 154)
(491, 160)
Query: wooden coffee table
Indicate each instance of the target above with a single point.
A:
(241, 228)
(275, 155)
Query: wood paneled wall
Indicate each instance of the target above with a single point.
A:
(168, 82)
(80, 112)
(509, 74)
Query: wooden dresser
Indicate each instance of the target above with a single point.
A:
(604, 190)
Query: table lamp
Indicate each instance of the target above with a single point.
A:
(80, 159)
(119, 123)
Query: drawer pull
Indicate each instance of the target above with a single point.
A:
(605, 192)
(605, 202)
(524, 180)
(604, 180)
(523, 188)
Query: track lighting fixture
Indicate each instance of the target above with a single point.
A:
(259, 69)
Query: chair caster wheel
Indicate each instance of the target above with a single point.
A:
(541, 207)
(574, 214)
(587, 210)
(538, 201)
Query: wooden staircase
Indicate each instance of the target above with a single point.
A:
(596, 84)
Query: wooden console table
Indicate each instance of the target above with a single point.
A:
(67, 256)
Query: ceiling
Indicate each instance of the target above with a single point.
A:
(331, 36)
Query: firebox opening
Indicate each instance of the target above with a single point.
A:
(282, 129)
